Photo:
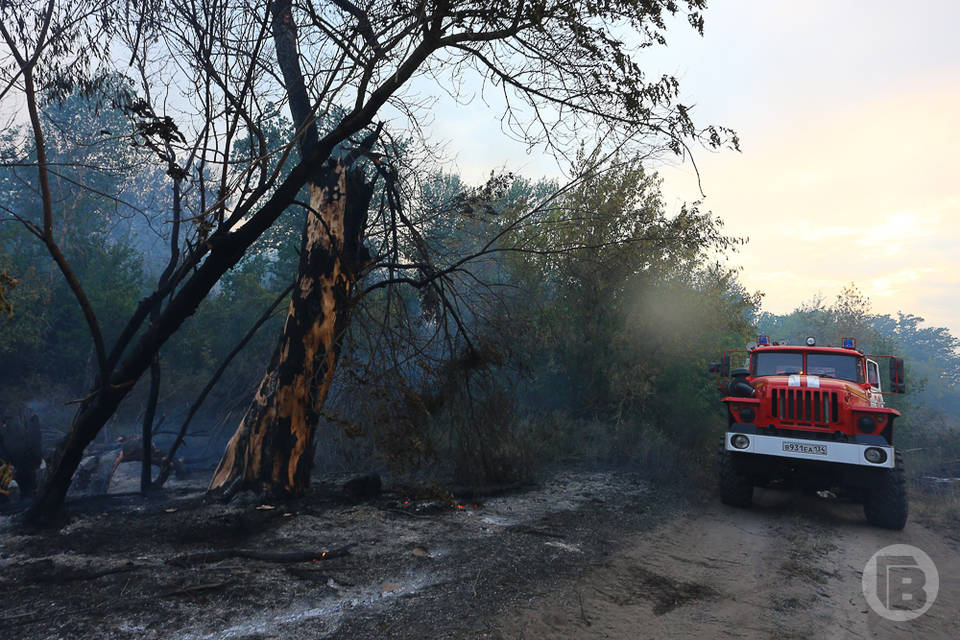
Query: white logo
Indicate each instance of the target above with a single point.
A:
(900, 582)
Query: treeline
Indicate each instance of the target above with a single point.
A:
(399, 269)
(575, 320)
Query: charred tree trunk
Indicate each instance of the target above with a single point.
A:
(272, 449)
(20, 445)
(146, 432)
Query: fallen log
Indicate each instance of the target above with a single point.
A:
(282, 557)
(191, 590)
(46, 571)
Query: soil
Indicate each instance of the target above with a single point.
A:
(589, 553)
(791, 566)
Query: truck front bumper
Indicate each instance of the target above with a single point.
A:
(818, 450)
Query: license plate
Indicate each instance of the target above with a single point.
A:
(803, 447)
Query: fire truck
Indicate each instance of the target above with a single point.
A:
(812, 417)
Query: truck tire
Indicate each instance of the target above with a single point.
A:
(736, 488)
(886, 502)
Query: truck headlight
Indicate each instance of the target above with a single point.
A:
(874, 455)
(740, 441)
(747, 414)
(866, 424)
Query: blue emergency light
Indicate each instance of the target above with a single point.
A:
(849, 343)
(763, 341)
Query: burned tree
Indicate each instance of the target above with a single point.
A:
(563, 67)
(272, 450)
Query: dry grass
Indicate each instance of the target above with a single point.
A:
(937, 508)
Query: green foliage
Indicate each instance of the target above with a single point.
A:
(47, 336)
(610, 310)
(48, 321)
(848, 316)
(627, 314)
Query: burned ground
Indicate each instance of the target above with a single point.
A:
(399, 566)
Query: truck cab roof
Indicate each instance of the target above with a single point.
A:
(806, 349)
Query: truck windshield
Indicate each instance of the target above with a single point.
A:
(831, 365)
(777, 364)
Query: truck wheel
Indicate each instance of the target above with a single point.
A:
(736, 488)
(886, 502)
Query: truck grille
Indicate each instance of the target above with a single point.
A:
(804, 405)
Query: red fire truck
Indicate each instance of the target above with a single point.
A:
(812, 417)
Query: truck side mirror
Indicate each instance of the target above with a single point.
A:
(725, 366)
(897, 382)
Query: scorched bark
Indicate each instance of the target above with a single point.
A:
(272, 449)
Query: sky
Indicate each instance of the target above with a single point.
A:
(848, 113)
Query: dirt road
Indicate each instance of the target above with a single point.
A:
(790, 567)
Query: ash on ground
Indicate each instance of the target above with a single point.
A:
(399, 566)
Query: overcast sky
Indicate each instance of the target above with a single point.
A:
(849, 119)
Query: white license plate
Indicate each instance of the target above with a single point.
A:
(804, 447)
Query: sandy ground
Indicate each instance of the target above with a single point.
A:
(790, 567)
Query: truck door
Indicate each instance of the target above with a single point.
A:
(876, 388)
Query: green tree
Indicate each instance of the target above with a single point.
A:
(628, 315)
(88, 183)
